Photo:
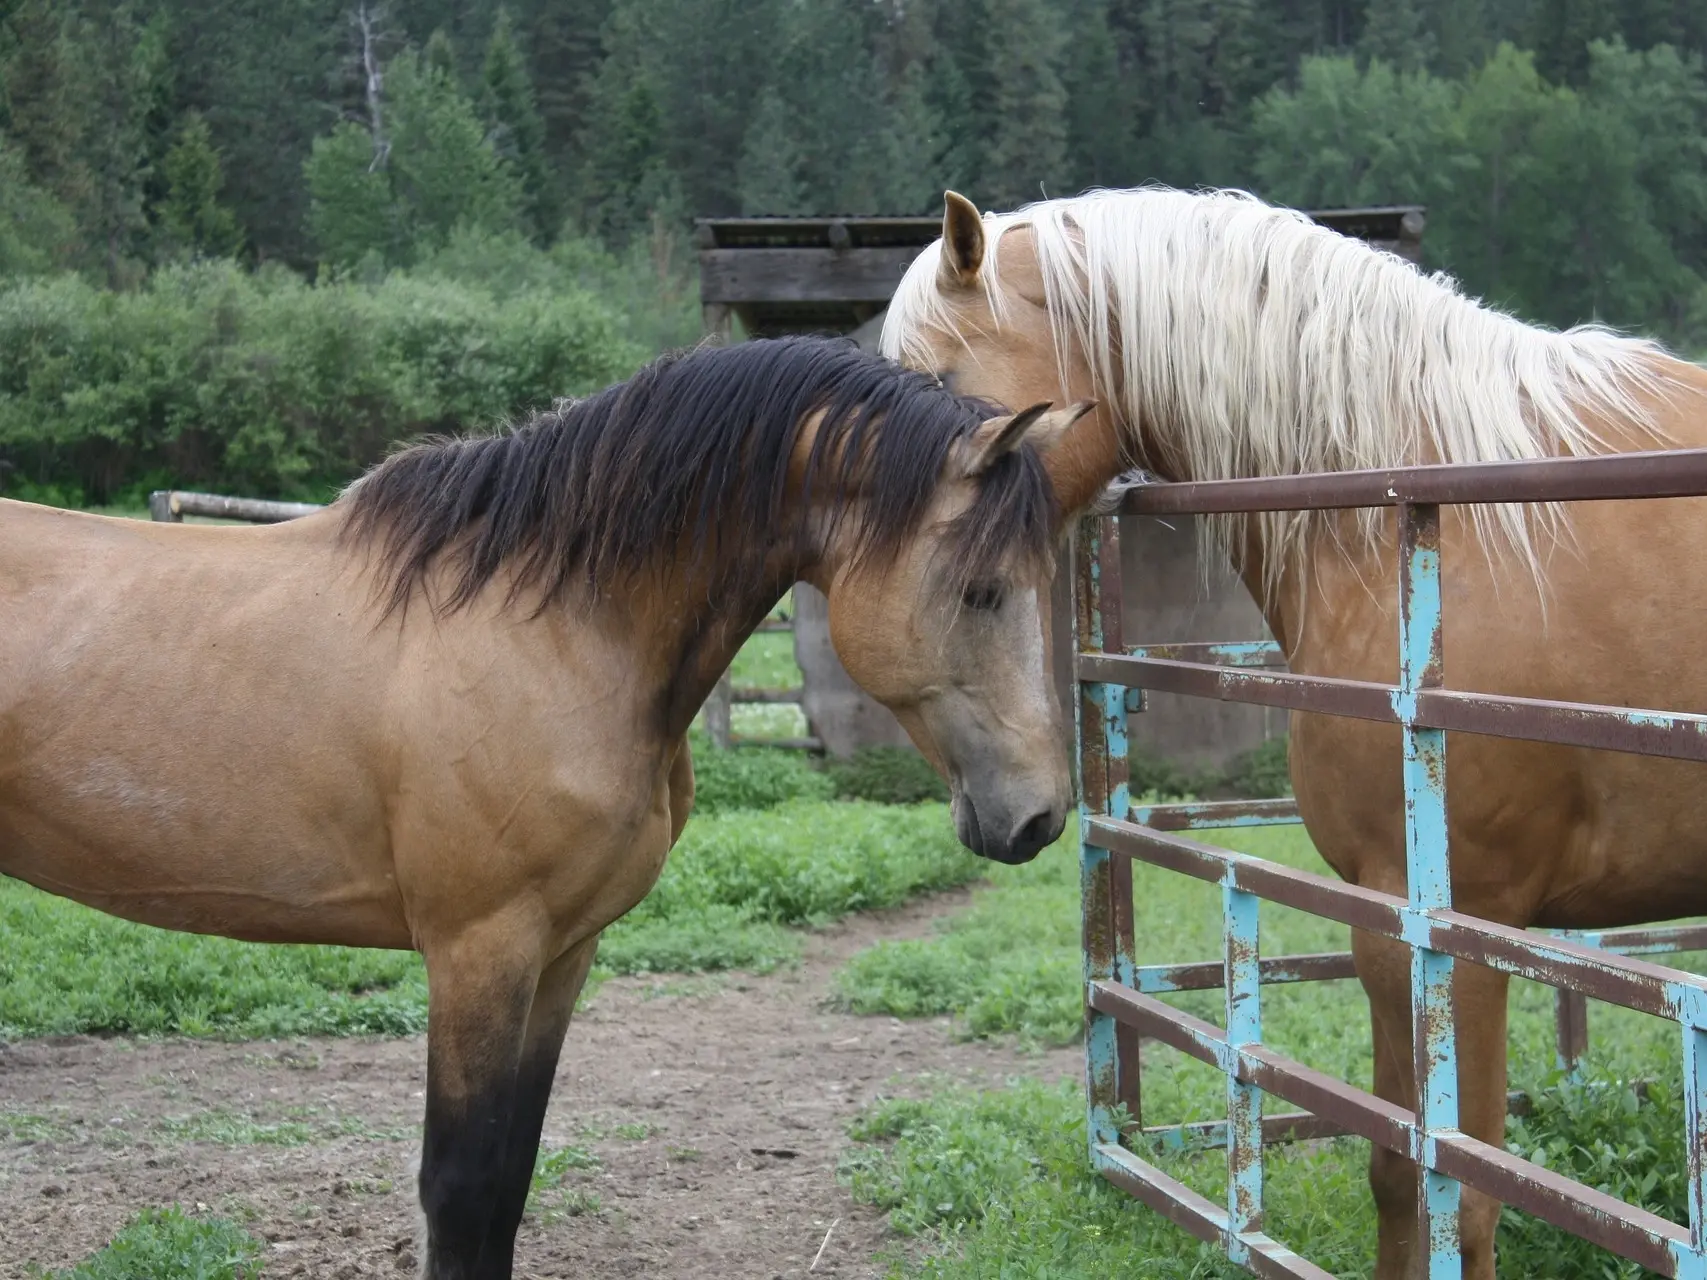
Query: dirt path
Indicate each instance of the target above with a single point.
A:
(715, 1107)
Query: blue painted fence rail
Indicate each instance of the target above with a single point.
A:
(1121, 998)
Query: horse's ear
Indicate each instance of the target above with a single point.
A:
(962, 241)
(1040, 426)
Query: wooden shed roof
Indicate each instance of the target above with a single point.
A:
(833, 274)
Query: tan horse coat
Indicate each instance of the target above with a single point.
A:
(1540, 835)
(223, 730)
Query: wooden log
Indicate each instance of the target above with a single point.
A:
(179, 504)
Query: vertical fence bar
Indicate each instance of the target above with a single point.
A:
(1115, 701)
(1244, 1101)
(1570, 1015)
(1434, 1036)
(1096, 871)
(1695, 1131)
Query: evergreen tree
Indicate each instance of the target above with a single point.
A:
(917, 159)
(1351, 136)
(625, 174)
(1394, 33)
(1025, 155)
(122, 60)
(1462, 32)
(444, 170)
(516, 129)
(439, 56)
(351, 217)
(1101, 102)
(768, 175)
(37, 232)
(1490, 228)
(565, 49)
(831, 81)
(45, 112)
(1560, 34)
(191, 217)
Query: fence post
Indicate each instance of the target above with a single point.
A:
(1111, 1061)
(1434, 1034)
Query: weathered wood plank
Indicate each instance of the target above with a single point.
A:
(802, 275)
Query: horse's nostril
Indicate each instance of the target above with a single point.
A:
(1039, 830)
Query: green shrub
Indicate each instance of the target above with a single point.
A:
(1600, 1131)
(261, 384)
(167, 1244)
(1154, 774)
(1260, 773)
(888, 775)
(1257, 774)
(752, 778)
(807, 862)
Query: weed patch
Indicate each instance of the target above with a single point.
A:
(168, 1244)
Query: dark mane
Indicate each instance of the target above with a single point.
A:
(695, 447)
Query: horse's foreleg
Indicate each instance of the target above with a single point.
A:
(1480, 998)
(481, 987)
(553, 1003)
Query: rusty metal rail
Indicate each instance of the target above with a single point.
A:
(1121, 1000)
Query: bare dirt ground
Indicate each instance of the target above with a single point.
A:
(716, 1109)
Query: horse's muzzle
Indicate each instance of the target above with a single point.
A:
(1019, 843)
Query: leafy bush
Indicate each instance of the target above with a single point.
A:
(752, 778)
(807, 862)
(262, 384)
(1260, 773)
(1600, 1131)
(888, 775)
(1257, 774)
(167, 1244)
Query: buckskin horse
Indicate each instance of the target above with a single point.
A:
(449, 712)
(1226, 338)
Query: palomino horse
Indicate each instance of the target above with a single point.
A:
(1226, 338)
(449, 713)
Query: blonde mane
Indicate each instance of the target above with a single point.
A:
(1249, 341)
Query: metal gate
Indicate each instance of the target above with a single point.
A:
(1121, 1003)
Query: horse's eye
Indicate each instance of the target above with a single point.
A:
(983, 596)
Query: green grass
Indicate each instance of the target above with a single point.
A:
(1010, 964)
(753, 778)
(66, 968)
(998, 1185)
(167, 1244)
(766, 661)
(551, 1193)
(734, 890)
(737, 881)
